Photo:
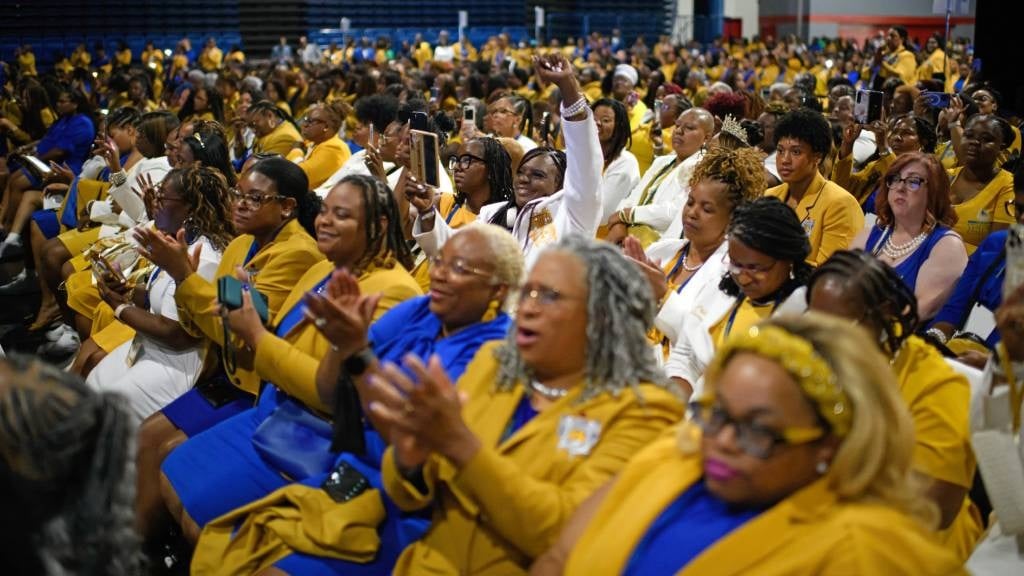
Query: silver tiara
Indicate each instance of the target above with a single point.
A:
(732, 127)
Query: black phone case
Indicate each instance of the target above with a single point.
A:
(345, 483)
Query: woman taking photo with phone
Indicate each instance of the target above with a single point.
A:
(273, 213)
(555, 193)
(358, 229)
(162, 361)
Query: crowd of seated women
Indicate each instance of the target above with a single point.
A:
(667, 328)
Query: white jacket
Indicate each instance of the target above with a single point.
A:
(669, 196)
(697, 294)
(695, 349)
(618, 180)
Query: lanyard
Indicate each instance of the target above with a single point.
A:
(297, 312)
(675, 269)
(648, 196)
(451, 213)
(736, 309)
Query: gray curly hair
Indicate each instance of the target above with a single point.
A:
(67, 470)
(620, 310)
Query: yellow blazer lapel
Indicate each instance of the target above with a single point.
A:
(742, 550)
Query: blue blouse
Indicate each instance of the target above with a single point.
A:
(985, 269)
(687, 527)
(72, 134)
(910, 267)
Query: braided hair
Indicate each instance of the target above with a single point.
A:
(209, 146)
(499, 171)
(268, 106)
(205, 191)
(379, 202)
(771, 227)
(889, 304)
(67, 467)
(620, 310)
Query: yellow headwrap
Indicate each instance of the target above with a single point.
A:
(798, 357)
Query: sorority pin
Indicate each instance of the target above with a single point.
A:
(578, 435)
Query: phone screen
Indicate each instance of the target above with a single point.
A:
(867, 106)
(469, 114)
(423, 157)
(937, 99)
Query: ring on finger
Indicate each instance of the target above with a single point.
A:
(319, 322)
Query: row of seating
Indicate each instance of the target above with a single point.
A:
(46, 47)
(477, 35)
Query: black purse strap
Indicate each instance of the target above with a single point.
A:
(348, 418)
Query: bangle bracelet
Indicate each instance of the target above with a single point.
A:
(118, 178)
(938, 334)
(121, 308)
(575, 109)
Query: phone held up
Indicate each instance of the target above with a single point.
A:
(469, 114)
(423, 156)
(937, 99)
(867, 106)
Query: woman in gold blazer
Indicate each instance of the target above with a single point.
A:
(549, 415)
(796, 462)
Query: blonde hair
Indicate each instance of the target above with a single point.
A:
(514, 149)
(873, 461)
(505, 255)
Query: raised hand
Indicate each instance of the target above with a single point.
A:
(169, 253)
(345, 314)
(634, 250)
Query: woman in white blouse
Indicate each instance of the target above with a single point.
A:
(163, 361)
(621, 172)
(685, 273)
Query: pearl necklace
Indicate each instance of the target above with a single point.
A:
(687, 268)
(547, 391)
(896, 252)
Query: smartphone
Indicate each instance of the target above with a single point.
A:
(867, 106)
(435, 93)
(1014, 275)
(419, 121)
(469, 114)
(229, 295)
(345, 483)
(658, 107)
(545, 127)
(937, 99)
(104, 269)
(372, 139)
(423, 155)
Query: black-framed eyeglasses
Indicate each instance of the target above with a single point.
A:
(464, 161)
(457, 267)
(253, 200)
(912, 183)
(753, 439)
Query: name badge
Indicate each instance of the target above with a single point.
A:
(808, 225)
(578, 435)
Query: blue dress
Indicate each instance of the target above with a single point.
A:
(74, 135)
(219, 469)
(909, 268)
(980, 284)
(687, 527)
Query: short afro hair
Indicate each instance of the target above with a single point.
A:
(807, 126)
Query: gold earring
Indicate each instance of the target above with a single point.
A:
(493, 307)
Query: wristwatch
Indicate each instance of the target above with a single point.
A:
(360, 362)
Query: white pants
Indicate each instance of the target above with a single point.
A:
(157, 377)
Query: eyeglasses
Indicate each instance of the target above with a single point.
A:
(755, 270)
(543, 295)
(463, 162)
(159, 198)
(753, 439)
(912, 183)
(502, 111)
(253, 200)
(457, 267)
(311, 120)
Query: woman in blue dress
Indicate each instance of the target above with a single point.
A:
(914, 230)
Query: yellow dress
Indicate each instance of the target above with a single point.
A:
(323, 160)
(123, 58)
(992, 205)
(643, 149)
(812, 531)
(509, 503)
(456, 217)
(938, 399)
(27, 64)
(281, 140)
(276, 268)
(291, 362)
(829, 214)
